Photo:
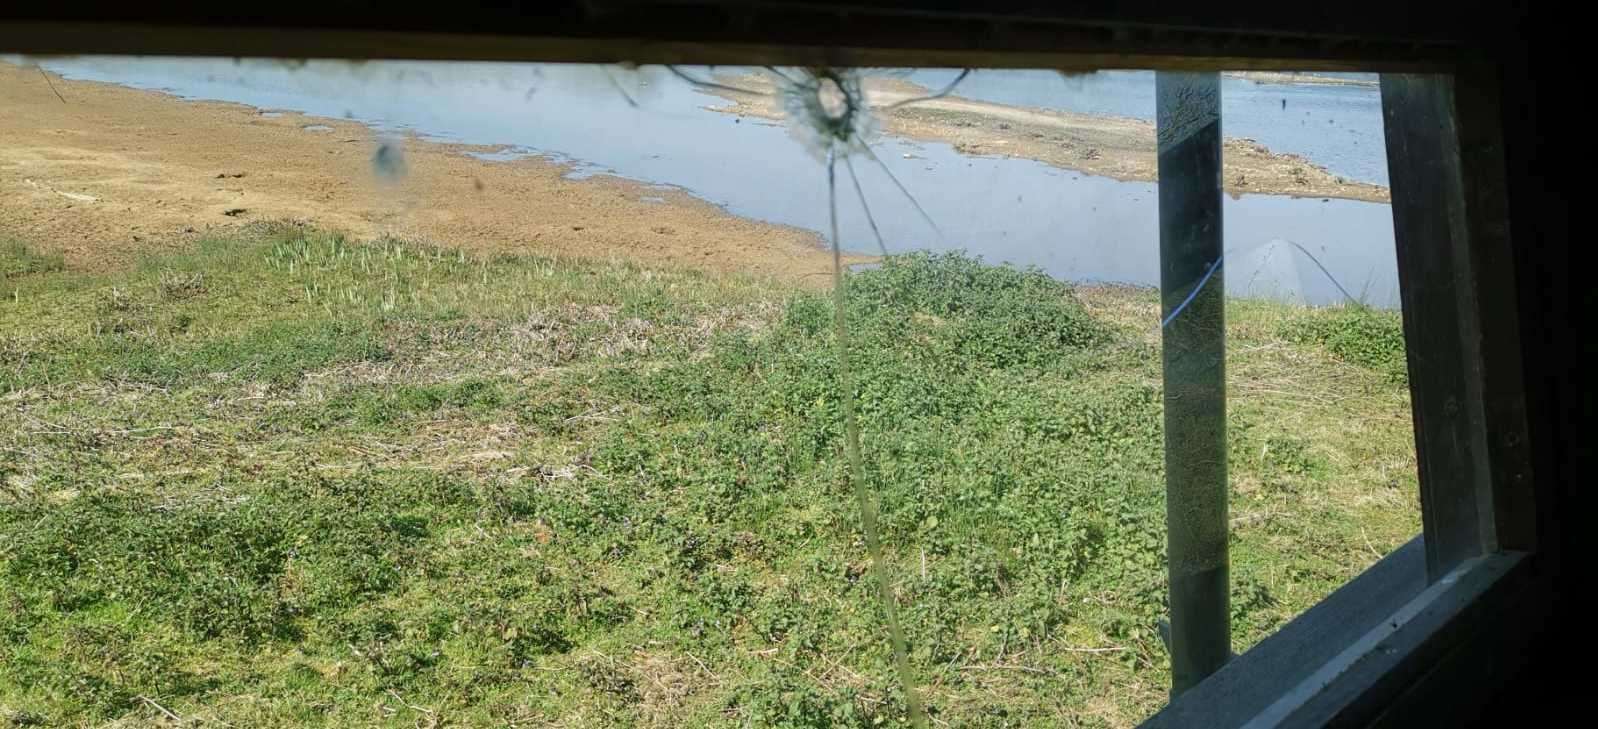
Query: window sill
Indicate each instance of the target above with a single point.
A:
(1344, 659)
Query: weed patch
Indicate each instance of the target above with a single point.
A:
(289, 480)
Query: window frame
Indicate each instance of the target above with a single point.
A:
(1351, 658)
(1347, 658)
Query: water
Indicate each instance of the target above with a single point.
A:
(1336, 127)
(1074, 226)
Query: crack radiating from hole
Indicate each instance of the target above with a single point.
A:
(906, 191)
(679, 73)
(867, 502)
(617, 85)
(861, 194)
(948, 89)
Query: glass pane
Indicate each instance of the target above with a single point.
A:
(1321, 440)
(410, 393)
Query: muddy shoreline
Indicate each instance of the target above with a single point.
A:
(1116, 147)
(1300, 79)
(106, 173)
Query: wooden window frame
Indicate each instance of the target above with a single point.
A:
(1346, 660)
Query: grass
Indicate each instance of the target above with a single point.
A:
(283, 480)
(1357, 334)
(18, 260)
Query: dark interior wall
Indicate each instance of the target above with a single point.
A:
(1543, 117)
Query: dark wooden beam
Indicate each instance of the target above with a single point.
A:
(1492, 261)
(1457, 287)
(1439, 309)
(1215, 36)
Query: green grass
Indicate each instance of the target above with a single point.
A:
(18, 260)
(282, 480)
(1361, 335)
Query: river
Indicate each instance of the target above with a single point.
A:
(650, 126)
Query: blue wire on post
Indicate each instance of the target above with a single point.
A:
(1216, 266)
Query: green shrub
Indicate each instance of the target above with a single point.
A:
(1360, 335)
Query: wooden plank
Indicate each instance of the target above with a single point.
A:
(1431, 229)
(1345, 22)
(938, 45)
(1362, 682)
(1492, 652)
(1255, 679)
(1492, 263)
(1457, 278)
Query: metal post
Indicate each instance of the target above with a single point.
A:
(1188, 115)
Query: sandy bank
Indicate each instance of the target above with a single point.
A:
(112, 171)
(1116, 147)
(1300, 79)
